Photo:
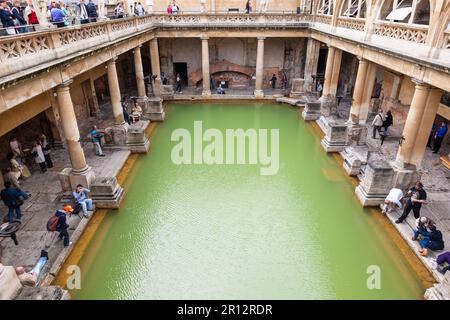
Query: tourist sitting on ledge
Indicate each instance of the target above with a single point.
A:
(431, 239)
(443, 262)
(220, 90)
(81, 197)
(136, 112)
(31, 278)
(392, 201)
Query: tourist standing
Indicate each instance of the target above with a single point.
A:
(248, 7)
(319, 88)
(178, 84)
(57, 15)
(140, 9)
(39, 157)
(388, 121)
(17, 167)
(12, 198)
(96, 137)
(30, 14)
(16, 147)
(439, 137)
(126, 114)
(92, 11)
(63, 224)
(284, 81)
(19, 20)
(431, 136)
(416, 197)
(119, 11)
(211, 83)
(175, 8)
(169, 9)
(81, 197)
(377, 124)
(7, 19)
(84, 18)
(273, 81)
(46, 149)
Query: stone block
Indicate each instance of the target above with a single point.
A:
(335, 137)
(137, 140)
(9, 283)
(43, 293)
(167, 91)
(356, 135)
(259, 94)
(405, 175)
(154, 110)
(311, 111)
(64, 179)
(376, 183)
(120, 133)
(354, 158)
(328, 106)
(106, 193)
(84, 178)
(297, 87)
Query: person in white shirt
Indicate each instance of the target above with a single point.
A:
(377, 124)
(39, 156)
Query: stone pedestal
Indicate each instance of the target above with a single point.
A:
(69, 179)
(106, 193)
(9, 283)
(154, 110)
(259, 94)
(375, 184)
(405, 175)
(167, 91)
(137, 140)
(354, 158)
(328, 106)
(119, 133)
(297, 88)
(335, 137)
(356, 135)
(312, 110)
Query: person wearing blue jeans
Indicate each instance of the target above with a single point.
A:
(81, 197)
(431, 240)
(12, 197)
(31, 278)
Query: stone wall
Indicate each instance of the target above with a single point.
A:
(347, 74)
(279, 54)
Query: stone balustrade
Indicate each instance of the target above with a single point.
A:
(357, 24)
(409, 32)
(323, 18)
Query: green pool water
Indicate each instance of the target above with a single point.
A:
(227, 232)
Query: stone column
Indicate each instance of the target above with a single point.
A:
(336, 70)
(358, 91)
(259, 93)
(154, 110)
(328, 72)
(120, 126)
(205, 67)
(80, 173)
(139, 73)
(312, 59)
(156, 69)
(368, 91)
(432, 106)
(412, 124)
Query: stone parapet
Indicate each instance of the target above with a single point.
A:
(106, 193)
(335, 137)
(375, 183)
(154, 110)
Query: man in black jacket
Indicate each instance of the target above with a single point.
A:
(63, 224)
(92, 11)
(417, 197)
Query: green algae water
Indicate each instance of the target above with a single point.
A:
(227, 232)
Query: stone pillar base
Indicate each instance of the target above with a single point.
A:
(354, 158)
(259, 94)
(328, 106)
(106, 193)
(311, 111)
(206, 93)
(356, 135)
(9, 283)
(298, 85)
(167, 91)
(137, 140)
(335, 137)
(405, 175)
(119, 133)
(153, 110)
(375, 184)
(69, 178)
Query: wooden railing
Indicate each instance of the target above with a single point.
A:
(357, 24)
(401, 31)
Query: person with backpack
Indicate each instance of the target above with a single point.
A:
(59, 222)
(13, 198)
(431, 240)
(19, 20)
(377, 124)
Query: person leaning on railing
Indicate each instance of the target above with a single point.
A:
(30, 15)
(19, 20)
(57, 15)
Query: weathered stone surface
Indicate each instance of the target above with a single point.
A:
(405, 176)
(354, 158)
(328, 106)
(312, 109)
(154, 110)
(376, 183)
(43, 293)
(335, 137)
(167, 91)
(9, 283)
(356, 135)
(119, 133)
(137, 140)
(297, 87)
(106, 193)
